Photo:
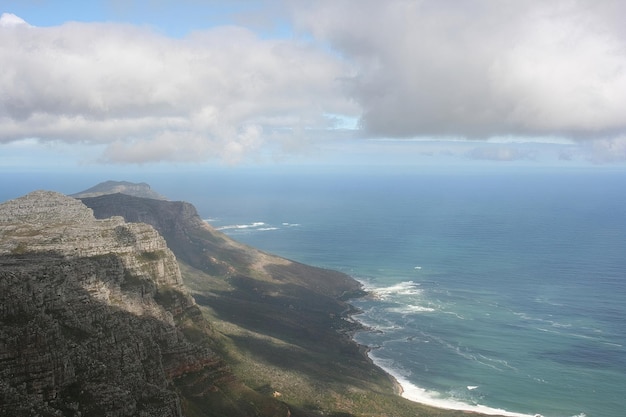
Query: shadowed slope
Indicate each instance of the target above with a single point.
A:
(286, 325)
(95, 320)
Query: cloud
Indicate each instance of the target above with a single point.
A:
(501, 153)
(436, 69)
(480, 68)
(9, 20)
(219, 93)
(610, 150)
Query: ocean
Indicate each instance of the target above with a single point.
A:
(500, 292)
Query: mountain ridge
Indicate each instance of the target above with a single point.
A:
(95, 320)
(136, 306)
(141, 189)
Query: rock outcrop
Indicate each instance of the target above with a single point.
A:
(95, 321)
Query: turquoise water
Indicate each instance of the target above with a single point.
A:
(490, 292)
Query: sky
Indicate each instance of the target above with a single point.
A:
(118, 84)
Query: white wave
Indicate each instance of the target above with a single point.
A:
(410, 308)
(455, 314)
(414, 393)
(291, 224)
(402, 288)
(242, 226)
(472, 387)
(576, 335)
(377, 326)
(264, 229)
(496, 364)
(552, 323)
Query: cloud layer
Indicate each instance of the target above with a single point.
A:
(218, 93)
(481, 68)
(475, 69)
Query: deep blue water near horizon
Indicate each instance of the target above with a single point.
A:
(506, 291)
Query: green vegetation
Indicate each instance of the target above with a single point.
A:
(167, 297)
(131, 281)
(20, 249)
(304, 363)
(152, 256)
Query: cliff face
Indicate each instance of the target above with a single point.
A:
(95, 321)
(179, 223)
(285, 322)
(201, 246)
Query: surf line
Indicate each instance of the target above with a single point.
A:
(414, 393)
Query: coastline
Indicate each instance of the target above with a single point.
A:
(406, 389)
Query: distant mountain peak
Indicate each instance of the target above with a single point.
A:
(140, 189)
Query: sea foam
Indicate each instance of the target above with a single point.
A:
(242, 226)
(402, 288)
(412, 392)
(410, 308)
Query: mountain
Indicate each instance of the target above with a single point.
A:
(119, 305)
(279, 315)
(95, 321)
(111, 187)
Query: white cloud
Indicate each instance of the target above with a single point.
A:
(501, 153)
(437, 69)
(480, 68)
(9, 19)
(609, 150)
(217, 93)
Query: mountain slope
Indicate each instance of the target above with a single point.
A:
(95, 321)
(286, 325)
(262, 295)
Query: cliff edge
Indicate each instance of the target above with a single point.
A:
(136, 307)
(95, 321)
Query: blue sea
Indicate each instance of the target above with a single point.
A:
(496, 292)
(501, 291)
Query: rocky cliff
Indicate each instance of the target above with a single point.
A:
(286, 324)
(95, 321)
